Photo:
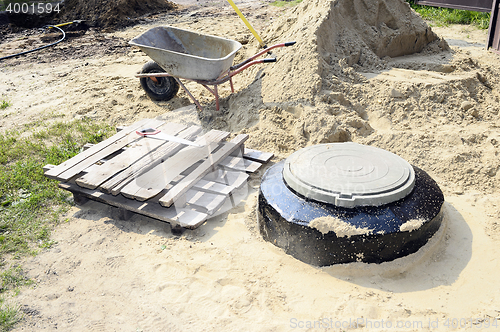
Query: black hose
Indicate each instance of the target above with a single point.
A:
(39, 48)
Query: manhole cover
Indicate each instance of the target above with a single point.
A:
(349, 174)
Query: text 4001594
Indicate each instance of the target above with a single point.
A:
(32, 8)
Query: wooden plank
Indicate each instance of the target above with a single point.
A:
(151, 183)
(209, 204)
(256, 155)
(202, 170)
(87, 146)
(75, 165)
(176, 216)
(234, 179)
(47, 167)
(240, 164)
(106, 152)
(93, 168)
(213, 187)
(203, 201)
(237, 197)
(221, 181)
(116, 183)
(224, 183)
(250, 154)
(139, 150)
(228, 177)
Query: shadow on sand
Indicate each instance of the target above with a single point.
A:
(438, 263)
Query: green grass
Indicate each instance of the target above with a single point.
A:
(438, 16)
(285, 3)
(446, 16)
(31, 204)
(9, 315)
(13, 278)
(4, 104)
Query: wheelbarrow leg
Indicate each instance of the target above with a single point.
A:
(189, 94)
(216, 93)
(231, 83)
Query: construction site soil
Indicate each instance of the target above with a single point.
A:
(108, 14)
(371, 72)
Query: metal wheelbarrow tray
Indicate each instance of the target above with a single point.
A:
(179, 53)
(186, 54)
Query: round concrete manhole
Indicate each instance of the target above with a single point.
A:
(344, 202)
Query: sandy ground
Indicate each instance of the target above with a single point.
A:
(110, 275)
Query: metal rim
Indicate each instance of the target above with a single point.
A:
(160, 88)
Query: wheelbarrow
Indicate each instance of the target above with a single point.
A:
(182, 54)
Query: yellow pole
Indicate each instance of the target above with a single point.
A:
(63, 24)
(246, 23)
(67, 23)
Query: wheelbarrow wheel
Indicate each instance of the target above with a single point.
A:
(165, 88)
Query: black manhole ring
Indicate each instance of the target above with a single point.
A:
(284, 219)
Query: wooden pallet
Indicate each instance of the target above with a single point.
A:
(180, 184)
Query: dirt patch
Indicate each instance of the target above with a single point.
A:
(112, 14)
(109, 14)
(80, 44)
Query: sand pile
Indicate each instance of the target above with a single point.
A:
(336, 35)
(346, 79)
(300, 100)
(423, 121)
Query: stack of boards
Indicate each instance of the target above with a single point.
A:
(169, 181)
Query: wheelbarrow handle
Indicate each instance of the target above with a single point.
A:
(242, 67)
(261, 53)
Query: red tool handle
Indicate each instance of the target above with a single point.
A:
(147, 131)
